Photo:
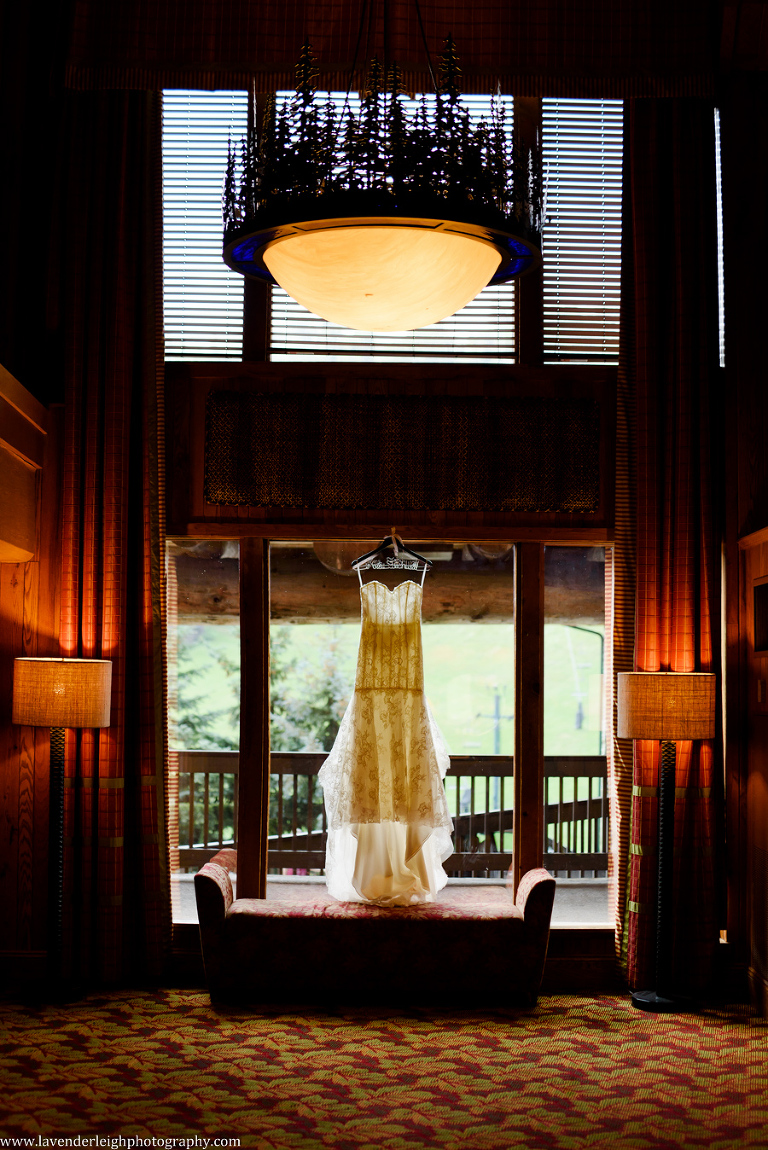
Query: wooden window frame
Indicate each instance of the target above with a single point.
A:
(529, 350)
(528, 779)
(580, 958)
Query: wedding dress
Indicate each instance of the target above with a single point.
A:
(389, 830)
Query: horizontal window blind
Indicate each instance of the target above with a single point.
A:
(582, 151)
(482, 332)
(720, 264)
(202, 297)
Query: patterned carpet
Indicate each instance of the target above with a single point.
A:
(572, 1073)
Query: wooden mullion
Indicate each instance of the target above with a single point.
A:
(530, 288)
(529, 709)
(257, 297)
(257, 320)
(253, 804)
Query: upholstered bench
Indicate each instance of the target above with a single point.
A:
(473, 944)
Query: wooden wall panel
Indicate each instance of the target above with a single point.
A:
(23, 427)
(743, 106)
(755, 569)
(11, 644)
(744, 120)
(18, 507)
(29, 625)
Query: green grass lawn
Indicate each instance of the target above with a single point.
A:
(466, 666)
(469, 679)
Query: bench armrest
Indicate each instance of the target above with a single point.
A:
(213, 888)
(535, 896)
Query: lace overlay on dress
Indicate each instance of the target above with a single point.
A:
(389, 830)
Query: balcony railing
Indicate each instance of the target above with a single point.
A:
(480, 796)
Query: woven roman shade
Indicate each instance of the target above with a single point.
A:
(406, 452)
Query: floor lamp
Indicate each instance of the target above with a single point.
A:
(670, 707)
(59, 693)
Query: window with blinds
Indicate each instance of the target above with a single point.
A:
(720, 264)
(202, 298)
(582, 142)
(582, 149)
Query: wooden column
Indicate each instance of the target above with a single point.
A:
(253, 783)
(257, 298)
(744, 430)
(530, 288)
(257, 321)
(529, 709)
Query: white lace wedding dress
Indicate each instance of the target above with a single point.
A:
(389, 830)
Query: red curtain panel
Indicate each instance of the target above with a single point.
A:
(669, 351)
(117, 902)
(620, 587)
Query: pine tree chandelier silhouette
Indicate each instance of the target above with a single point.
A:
(385, 219)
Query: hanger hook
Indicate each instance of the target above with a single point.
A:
(393, 533)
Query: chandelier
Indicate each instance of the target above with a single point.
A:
(388, 218)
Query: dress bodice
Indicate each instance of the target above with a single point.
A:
(390, 655)
(389, 829)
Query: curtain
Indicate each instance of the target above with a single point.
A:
(106, 302)
(669, 374)
(620, 611)
(533, 47)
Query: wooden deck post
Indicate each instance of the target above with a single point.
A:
(529, 709)
(253, 781)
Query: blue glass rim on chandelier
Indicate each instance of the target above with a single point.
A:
(245, 247)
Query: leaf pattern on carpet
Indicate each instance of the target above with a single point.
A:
(573, 1072)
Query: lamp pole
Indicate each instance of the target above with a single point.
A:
(56, 853)
(59, 693)
(669, 707)
(661, 999)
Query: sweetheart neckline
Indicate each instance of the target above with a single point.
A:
(392, 591)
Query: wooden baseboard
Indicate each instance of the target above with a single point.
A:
(185, 967)
(21, 968)
(758, 991)
(582, 960)
(578, 975)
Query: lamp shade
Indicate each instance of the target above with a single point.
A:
(666, 705)
(62, 692)
(380, 278)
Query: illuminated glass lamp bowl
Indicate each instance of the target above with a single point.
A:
(382, 273)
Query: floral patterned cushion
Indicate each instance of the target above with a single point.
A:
(456, 902)
(529, 880)
(219, 871)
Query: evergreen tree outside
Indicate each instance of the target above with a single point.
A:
(309, 690)
(207, 720)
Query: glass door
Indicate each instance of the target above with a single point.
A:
(575, 779)
(468, 644)
(203, 657)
